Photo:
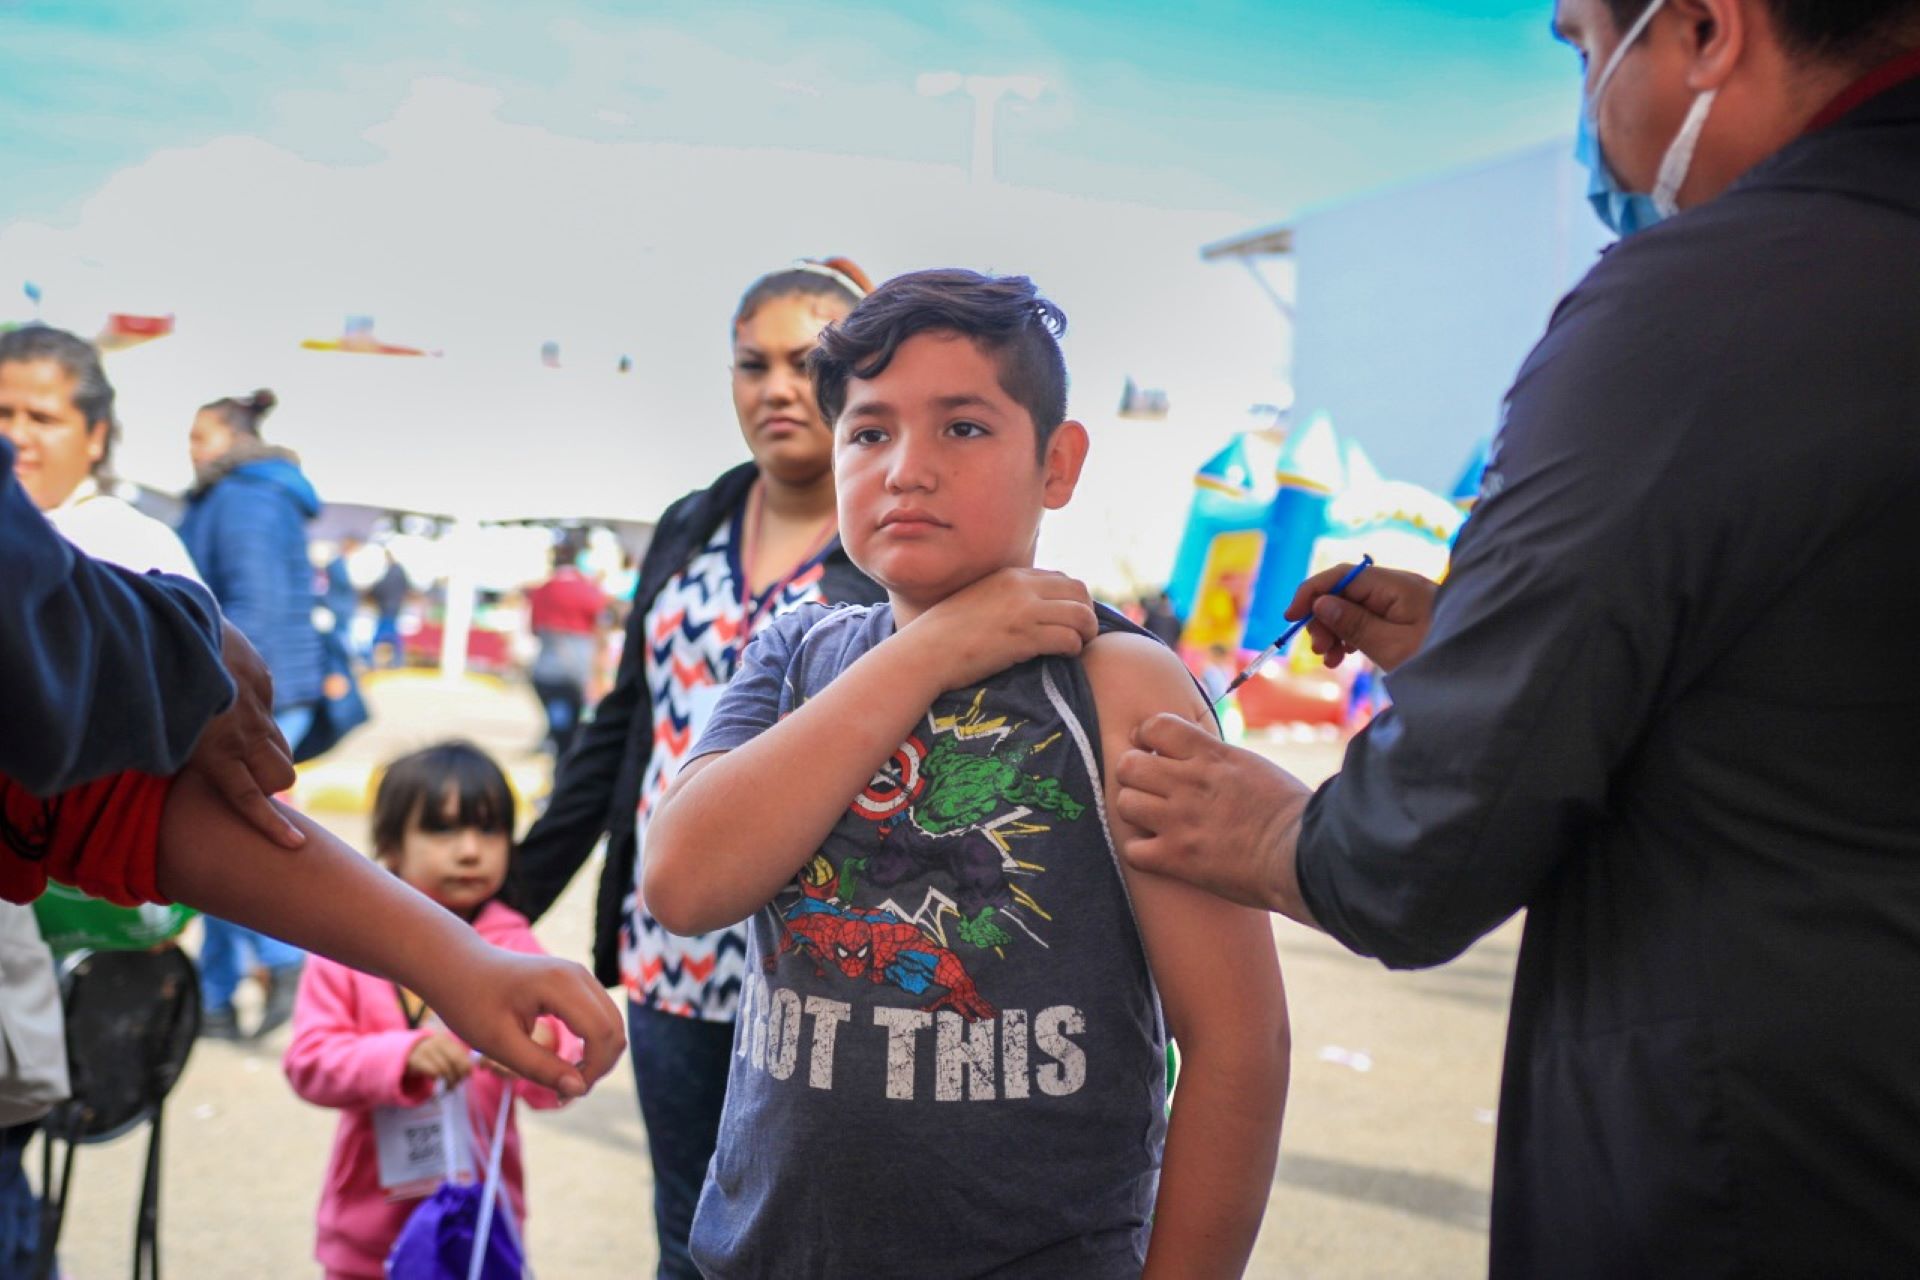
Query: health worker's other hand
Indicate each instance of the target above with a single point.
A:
(495, 1000)
(1383, 614)
(241, 751)
(1004, 619)
(1220, 817)
(438, 1056)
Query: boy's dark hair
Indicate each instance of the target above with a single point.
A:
(92, 393)
(414, 788)
(1003, 315)
(1861, 32)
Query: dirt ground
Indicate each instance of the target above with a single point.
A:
(1385, 1160)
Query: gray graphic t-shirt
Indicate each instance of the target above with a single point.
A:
(949, 1060)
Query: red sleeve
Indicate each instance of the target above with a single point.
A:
(102, 838)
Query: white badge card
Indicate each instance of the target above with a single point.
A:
(421, 1147)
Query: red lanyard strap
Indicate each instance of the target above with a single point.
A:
(750, 523)
(1888, 75)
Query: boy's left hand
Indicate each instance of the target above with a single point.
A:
(1002, 620)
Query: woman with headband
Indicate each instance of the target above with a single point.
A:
(723, 563)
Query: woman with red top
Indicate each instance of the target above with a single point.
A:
(565, 613)
(723, 563)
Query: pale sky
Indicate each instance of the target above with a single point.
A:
(485, 177)
(1258, 106)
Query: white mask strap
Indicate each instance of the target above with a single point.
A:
(1634, 32)
(1679, 157)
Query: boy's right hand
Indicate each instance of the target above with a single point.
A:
(494, 999)
(438, 1056)
(1004, 619)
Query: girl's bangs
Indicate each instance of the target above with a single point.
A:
(470, 792)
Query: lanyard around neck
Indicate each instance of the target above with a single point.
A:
(412, 1007)
(750, 533)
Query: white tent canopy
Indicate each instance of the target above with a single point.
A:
(463, 438)
(461, 229)
(481, 440)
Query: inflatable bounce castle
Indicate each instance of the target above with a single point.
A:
(1273, 508)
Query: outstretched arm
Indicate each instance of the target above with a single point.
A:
(327, 898)
(1224, 1135)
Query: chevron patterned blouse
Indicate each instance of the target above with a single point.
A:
(697, 628)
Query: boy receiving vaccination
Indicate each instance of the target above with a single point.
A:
(950, 1059)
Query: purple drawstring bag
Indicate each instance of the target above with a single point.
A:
(451, 1236)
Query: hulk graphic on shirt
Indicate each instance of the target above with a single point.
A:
(963, 792)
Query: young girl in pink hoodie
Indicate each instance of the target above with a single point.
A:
(443, 821)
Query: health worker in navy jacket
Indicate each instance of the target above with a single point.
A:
(1666, 699)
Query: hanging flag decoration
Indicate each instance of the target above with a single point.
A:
(122, 331)
(356, 336)
(1137, 401)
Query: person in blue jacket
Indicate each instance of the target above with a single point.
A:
(245, 527)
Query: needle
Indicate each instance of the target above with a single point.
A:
(1366, 562)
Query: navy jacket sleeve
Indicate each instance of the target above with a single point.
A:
(1552, 637)
(102, 669)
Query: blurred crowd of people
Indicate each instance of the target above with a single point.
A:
(321, 615)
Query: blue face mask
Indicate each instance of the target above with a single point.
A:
(1623, 212)
(1626, 212)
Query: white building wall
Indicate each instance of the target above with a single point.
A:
(1416, 306)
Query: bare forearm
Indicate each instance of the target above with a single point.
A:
(731, 834)
(328, 898)
(323, 896)
(1222, 1142)
(1283, 878)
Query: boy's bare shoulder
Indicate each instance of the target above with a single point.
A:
(1135, 676)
